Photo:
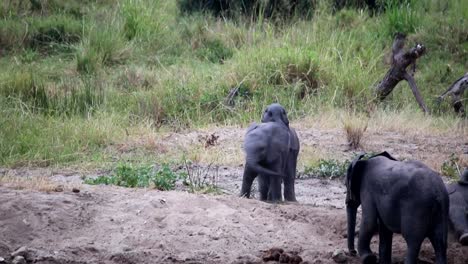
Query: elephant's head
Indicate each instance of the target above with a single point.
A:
(275, 113)
(354, 175)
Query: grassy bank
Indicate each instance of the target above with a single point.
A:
(78, 77)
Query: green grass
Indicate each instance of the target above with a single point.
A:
(77, 76)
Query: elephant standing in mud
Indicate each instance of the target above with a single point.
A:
(271, 151)
(458, 194)
(396, 197)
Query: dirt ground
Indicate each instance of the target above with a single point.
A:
(106, 224)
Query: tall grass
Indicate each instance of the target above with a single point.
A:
(29, 139)
(71, 67)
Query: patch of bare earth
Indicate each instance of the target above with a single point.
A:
(104, 224)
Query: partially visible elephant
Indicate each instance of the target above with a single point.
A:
(458, 194)
(271, 148)
(396, 197)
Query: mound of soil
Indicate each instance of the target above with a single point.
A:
(102, 224)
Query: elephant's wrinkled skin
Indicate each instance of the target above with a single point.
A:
(271, 151)
(458, 194)
(396, 197)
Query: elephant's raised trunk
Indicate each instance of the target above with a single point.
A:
(351, 210)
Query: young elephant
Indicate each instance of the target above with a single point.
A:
(458, 194)
(271, 151)
(396, 197)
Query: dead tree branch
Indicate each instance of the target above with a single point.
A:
(401, 60)
(456, 90)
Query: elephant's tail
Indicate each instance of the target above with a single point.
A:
(259, 169)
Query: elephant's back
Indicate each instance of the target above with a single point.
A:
(408, 179)
(264, 136)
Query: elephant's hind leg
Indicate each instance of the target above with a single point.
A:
(289, 192)
(274, 190)
(366, 231)
(438, 240)
(247, 180)
(263, 186)
(385, 244)
(414, 246)
(414, 236)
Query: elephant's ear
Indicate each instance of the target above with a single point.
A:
(385, 154)
(252, 126)
(353, 179)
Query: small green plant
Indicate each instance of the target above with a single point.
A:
(330, 169)
(201, 179)
(165, 178)
(128, 175)
(450, 167)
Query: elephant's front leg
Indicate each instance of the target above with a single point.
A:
(247, 180)
(385, 244)
(289, 192)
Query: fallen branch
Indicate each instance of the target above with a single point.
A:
(456, 90)
(401, 59)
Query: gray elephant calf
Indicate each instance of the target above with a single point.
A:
(271, 151)
(458, 193)
(396, 197)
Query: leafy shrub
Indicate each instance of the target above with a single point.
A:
(450, 167)
(127, 175)
(201, 179)
(327, 169)
(165, 178)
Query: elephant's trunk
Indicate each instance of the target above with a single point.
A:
(351, 210)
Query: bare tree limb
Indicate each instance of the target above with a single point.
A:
(401, 60)
(415, 91)
(456, 90)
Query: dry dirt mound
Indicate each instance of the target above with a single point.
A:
(116, 225)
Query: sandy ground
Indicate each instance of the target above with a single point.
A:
(105, 224)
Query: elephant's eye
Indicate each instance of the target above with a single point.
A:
(270, 114)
